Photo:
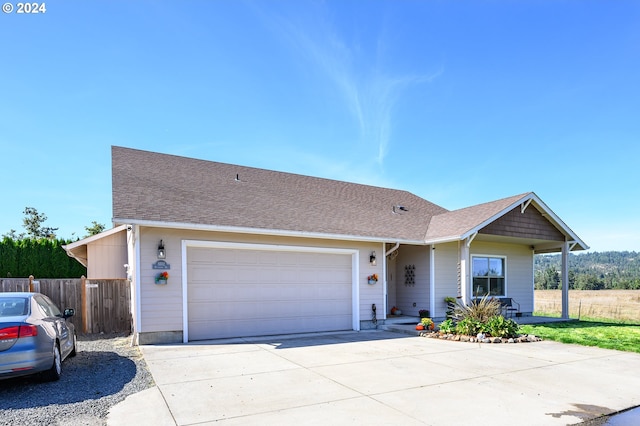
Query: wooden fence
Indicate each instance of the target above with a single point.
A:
(102, 306)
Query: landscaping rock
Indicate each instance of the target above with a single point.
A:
(474, 339)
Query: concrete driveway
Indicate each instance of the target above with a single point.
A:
(380, 378)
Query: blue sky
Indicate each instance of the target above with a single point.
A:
(459, 102)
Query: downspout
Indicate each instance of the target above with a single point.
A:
(392, 249)
(386, 284)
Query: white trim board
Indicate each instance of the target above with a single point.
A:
(355, 255)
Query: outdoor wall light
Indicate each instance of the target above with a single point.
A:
(372, 258)
(162, 254)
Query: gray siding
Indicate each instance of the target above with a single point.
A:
(412, 286)
(519, 266)
(446, 276)
(161, 305)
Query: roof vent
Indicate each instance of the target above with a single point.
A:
(397, 209)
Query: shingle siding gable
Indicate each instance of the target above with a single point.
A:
(530, 224)
(455, 223)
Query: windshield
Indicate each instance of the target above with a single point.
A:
(13, 306)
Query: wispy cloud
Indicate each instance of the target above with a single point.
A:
(370, 92)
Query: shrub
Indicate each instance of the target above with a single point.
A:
(41, 258)
(499, 326)
(468, 326)
(447, 326)
(480, 310)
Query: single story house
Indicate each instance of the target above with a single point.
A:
(253, 252)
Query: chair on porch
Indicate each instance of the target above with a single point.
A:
(509, 307)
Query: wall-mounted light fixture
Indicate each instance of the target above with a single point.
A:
(162, 254)
(372, 258)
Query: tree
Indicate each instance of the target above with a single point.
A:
(549, 279)
(12, 235)
(94, 229)
(33, 224)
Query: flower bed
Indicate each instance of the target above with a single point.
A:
(524, 338)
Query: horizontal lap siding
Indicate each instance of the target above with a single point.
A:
(107, 257)
(408, 293)
(161, 305)
(519, 263)
(446, 276)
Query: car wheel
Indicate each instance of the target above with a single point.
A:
(75, 342)
(54, 372)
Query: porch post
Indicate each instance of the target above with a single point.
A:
(565, 280)
(432, 281)
(464, 271)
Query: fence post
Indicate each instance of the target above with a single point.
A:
(30, 283)
(83, 291)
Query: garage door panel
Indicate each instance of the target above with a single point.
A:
(266, 258)
(236, 292)
(231, 293)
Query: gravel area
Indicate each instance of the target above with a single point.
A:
(105, 371)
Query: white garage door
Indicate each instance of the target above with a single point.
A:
(241, 292)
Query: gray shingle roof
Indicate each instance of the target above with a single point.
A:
(453, 224)
(158, 188)
(167, 190)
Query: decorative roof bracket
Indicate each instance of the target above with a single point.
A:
(524, 205)
(470, 238)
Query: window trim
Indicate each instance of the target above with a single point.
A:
(504, 273)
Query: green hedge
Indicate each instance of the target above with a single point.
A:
(41, 258)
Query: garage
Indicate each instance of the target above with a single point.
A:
(239, 290)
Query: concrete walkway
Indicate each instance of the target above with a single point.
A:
(379, 378)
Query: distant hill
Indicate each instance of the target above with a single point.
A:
(590, 271)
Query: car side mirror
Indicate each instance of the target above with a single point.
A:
(68, 313)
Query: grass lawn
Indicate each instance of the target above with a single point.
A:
(590, 332)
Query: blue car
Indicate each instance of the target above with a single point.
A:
(35, 336)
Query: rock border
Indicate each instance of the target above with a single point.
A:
(524, 338)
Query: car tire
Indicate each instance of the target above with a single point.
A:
(53, 374)
(75, 342)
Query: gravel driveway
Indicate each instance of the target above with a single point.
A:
(105, 371)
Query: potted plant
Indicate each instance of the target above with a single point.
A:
(427, 323)
(424, 313)
(451, 306)
(162, 277)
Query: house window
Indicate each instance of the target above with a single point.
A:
(488, 276)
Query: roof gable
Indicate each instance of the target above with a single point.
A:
(489, 218)
(453, 225)
(529, 223)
